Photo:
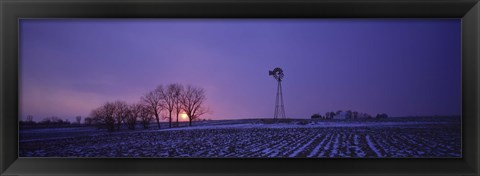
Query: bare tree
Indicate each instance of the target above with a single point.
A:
(88, 121)
(178, 90)
(29, 118)
(171, 101)
(109, 116)
(97, 115)
(355, 114)
(78, 119)
(381, 116)
(339, 112)
(349, 114)
(104, 115)
(154, 101)
(329, 115)
(145, 116)
(121, 113)
(135, 110)
(192, 101)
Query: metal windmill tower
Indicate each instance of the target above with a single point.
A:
(277, 73)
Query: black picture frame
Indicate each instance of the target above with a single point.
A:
(12, 10)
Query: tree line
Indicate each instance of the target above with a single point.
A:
(49, 122)
(347, 115)
(173, 99)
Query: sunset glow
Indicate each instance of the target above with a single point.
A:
(184, 116)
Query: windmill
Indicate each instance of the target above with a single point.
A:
(277, 73)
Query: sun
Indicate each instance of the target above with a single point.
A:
(183, 116)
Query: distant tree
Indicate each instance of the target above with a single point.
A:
(332, 114)
(316, 116)
(365, 115)
(338, 112)
(109, 115)
(145, 116)
(329, 115)
(154, 101)
(368, 115)
(29, 118)
(361, 115)
(105, 115)
(348, 114)
(28, 121)
(121, 113)
(97, 116)
(192, 101)
(88, 121)
(45, 121)
(78, 119)
(381, 116)
(53, 121)
(135, 111)
(355, 114)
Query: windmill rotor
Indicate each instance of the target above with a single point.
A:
(277, 73)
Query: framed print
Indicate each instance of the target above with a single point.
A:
(244, 87)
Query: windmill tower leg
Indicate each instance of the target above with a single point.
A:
(277, 100)
(282, 107)
(279, 107)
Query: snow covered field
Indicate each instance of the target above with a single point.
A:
(255, 138)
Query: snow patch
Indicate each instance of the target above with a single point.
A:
(372, 146)
(296, 152)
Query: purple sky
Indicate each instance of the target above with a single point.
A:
(400, 67)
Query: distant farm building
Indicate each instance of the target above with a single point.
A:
(344, 115)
